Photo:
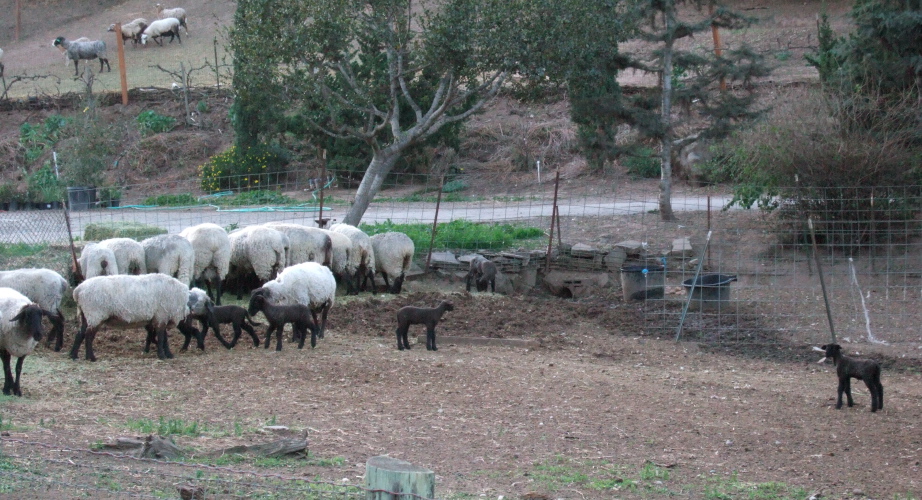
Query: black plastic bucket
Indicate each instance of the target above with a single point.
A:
(709, 291)
(643, 282)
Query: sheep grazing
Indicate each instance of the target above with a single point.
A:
(362, 251)
(155, 301)
(178, 13)
(298, 315)
(20, 332)
(160, 28)
(132, 31)
(236, 316)
(256, 250)
(344, 263)
(308, 284)
(46, 288)
(429, 316)
(393, 256)
(129, 255)
(87, 51)
(862, 369)
(199, 309)
(170, 254)
(212, 256)
(96, 260)
(483, 272)
(306, 244)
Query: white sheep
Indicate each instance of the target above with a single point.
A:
(96, 260)
(95, 49)
(306, 244)
(170, 254)
(44, 287)
(20, 331)
(212, 249)
(259, 251)
(129, 255)
(132, 31)
(362, 250)
(309, 284)
(344, 262)
(1, 62)
(393, 256)
(155, 301)
(177, 12)
(162, 27)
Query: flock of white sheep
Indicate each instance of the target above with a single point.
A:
(138, 31)
(125, 283)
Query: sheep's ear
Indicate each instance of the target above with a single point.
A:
(20, 313)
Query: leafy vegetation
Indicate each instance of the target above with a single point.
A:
(259, 166)
(152, 122)
(644, 163)
(460, 234)
(729, 488)
(37, 139)
(97, 231)
(20, 249)
(171, 200)
(167, 427)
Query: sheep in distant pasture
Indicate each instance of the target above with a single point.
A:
(176, 12)
(848, 368)
(161, 28)
(132, 31)
(87, 51)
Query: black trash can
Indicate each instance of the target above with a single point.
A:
(709, 292)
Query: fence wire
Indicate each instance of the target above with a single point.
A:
(868, 241)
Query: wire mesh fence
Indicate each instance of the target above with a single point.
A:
(867, 242)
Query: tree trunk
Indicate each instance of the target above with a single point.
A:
(381, 164)
(665, 186)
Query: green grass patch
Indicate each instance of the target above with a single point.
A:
(460, 234)
(730, 488)
(20, 249)
(421, 197)
(167, 427)
(98, 231)
(172, 200)
(257, 197)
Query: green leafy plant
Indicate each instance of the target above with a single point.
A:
(455, 185)
(109, 196)
(644, 164)
(258, 197)
(44, 185)
(151, 122)
(36, 139)
(460, 234)
(172, 200)
(257, 167)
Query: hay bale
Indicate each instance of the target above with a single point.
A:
(99, 231)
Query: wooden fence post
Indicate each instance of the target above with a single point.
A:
(388, 478)
(122, 71)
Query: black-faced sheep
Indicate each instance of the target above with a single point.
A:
(848, 368)
(161, 28)
(393, 256)
(429, 316)
(176, 12)
(483, 272)
(46, 288)
(362, 252)
(212, 249)
(278, 316)
(308, 284)
(20, 331)
(87, 51)
(155, 301)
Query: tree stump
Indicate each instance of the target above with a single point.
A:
(385, 476)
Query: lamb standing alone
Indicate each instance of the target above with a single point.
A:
(393, 256)
(212, 256)
(84, 50)
(429, 316)
(176, 12)
(18, 335)
(44, 287)
(848, 368)
(160, 28)
(155, 301)
(170, 254)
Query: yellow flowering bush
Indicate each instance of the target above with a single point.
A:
(257, 168)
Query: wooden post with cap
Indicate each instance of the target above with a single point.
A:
(121, 62)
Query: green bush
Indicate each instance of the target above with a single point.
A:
(644, 164)
(255, 168)
(172, 200)
(151, 122)
(460, 234)
(455, 185)
(44, 185)
(36, 139)
(259, 197)
(97, 231)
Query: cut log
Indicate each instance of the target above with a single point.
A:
(278, 448)
(386, 476)
(147, 447)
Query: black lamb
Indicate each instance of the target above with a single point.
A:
(483, 271)
(298, 315)
(238, 317)
(862, 369)
(429, 316)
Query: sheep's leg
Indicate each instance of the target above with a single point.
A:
(430, 338)
(188, 331)
(493, 285)
(468, 278)
(57, 330)
(7, 372)
(278, 336)
(872, 388)
(17, 391)
(151, 338)
(398, 285)
(163, 344)
(401, 337)
(268, 336)
(76, 66)
(234, 338)
(880, 393)
(252, 333)
(848, 392)
(218, 291)
(78, 339)
(90, 337)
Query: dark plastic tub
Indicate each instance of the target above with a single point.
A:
(709, 291)
(643, 282)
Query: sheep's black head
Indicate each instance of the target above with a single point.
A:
(30, 317)
(257, 301)
(447, 305)
(833, 351)
(58, 41)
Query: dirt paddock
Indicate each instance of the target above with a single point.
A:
(599, 410)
